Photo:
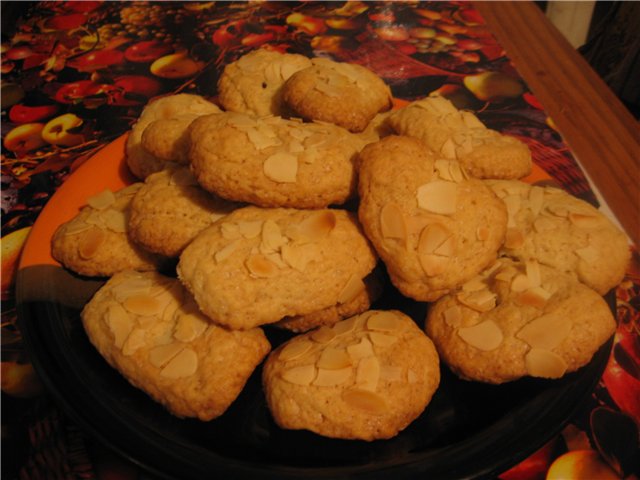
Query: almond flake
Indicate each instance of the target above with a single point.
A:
(514, 238)
(581, 220)
(184, 364)
(366, 401)
(435, 236)
(433, 264)
(471, 121)
(368, 373)
(323, 335)
(262, 137)
(314, 228)
(328, 89)
(226, 251)
(250, 229)
(302, 375)
(351, 290)
(331, 378)
(438, 196)
(75, 227)
(559, 210)
(281, 167)
(382, 340)
(260, 267)
(390, 373)
(120, 324)
(115, 221)
(544, 364)
(90, 243)
(144, 305)
(102, 200)
(272, 238)
(161, 355)
(545, 332)
(453, 316)
(360, 350)
(384, 322)
(230, 231)
(506, 274)
(534, 297)
(480, 301)
(484, 336)
(475, 284)
(295, 147)
(520, 283)
(334, 359)
(533, 273)
(513, 204)
(189, 327)
(589, 254)
(536, 200)
(392, 222)
(134, 341)
(344, 326)
(482, 233)
(298, 256)
(294, 349)
(543, 224)
(448, 149)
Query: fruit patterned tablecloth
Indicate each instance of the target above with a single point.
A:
(75, 76)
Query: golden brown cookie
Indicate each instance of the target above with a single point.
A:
(563, 232)
(148, 328)
(96, 243)
(519, 319)
(273, 162)
(253, 83)
(257, 266)
(459, 135)
(366, 378)
(433, 227)
(170, 209)
(344, 94)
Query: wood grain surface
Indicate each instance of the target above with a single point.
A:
(600, 131)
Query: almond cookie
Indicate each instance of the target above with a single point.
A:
(433, 227)
(344, 94)
(148, 328)
(459, 135)
(143, 163)
(253, 83)
(563, 232)
(273, 162)
(257, 266)
(519, 319)
(170, 209)
(95, 242)
(365, 378)
(168, 138)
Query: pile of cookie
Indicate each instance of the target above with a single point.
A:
(280, 209)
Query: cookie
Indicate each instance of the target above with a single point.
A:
(344, 94)
(433, 227)
(148, 328)
(563, 232)
(519, 319)
(95, 242)
(459, 135)
(170, 209)
(253, 83)
(257, 266)
(168, 138)
(274, 162)
(141, 162)
(365, 378)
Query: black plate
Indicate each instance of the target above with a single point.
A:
(468, 430)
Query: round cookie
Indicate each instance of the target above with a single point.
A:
(273, 162)
(253, 83)
(171, 209)
(168, 138)
(459, 135)
(95, 242)
(344, 94)
(433, 228)
(366, 378)
(256, 266)
(148, 328)
(563, 232)
(141, 162)
(519, 319)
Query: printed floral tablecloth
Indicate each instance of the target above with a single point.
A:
(75, 76)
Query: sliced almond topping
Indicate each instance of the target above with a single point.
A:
(226, 251)
(298, 256)
(536, 199)
(75, 227)
(115, 220)
(581, 220)
(120, 323)
(482, 233)
(589, 254)
(533, 273)
(471, 121)
(453, 316)
(328, 89)
(433, 264)
(544, 364)
(484, 336)
(543, 224)
(260, 267)
(514, 238)
(361, 349)
(448, 149)
(331, 378)
(392, 222)
(384, 322)
(262, 137)
(475, 284)
(559, 210)
(102, 200)
(513, 203)
(315, 227)
(90, 243)
(161, 355)
(438, 196)
(390, 373)
(323, 335)
(545, 332)
(184, 364)
(368, 373)
(480, 300)
(506, 274)
(383, 340)
(230, 231)
(272, 238)
(293, 350)
(135, 340)
(435, 236)
(352, 288)
(344, 326)
(190, 326)
(334, 359)
(144, 305)
(302, 375)
(534, 297)
(520, 283)
(281, 167)
(250, 229)
(366, 401)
